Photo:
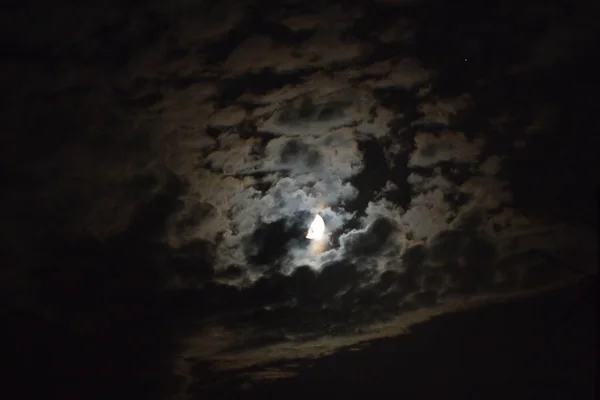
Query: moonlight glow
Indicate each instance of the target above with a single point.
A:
(317, 229)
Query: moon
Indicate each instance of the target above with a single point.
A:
(316, 231)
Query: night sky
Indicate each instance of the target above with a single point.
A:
(162, 163)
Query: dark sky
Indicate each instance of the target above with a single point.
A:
(162, 164)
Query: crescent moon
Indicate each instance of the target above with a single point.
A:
(317, 229)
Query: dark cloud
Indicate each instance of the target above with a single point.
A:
(231, 272)
(193, 262)
(270, 242)
(373, 176)
(196, 216)
(269, 290)
(295, 151)
(370, 241)
(307, 111)
(151, 217)
(338, 276)
(413, 260)
(165, 164)
(468, 257)
(427, 298)
(303, 283)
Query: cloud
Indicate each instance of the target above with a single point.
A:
(323, 48)
(406, 73)
(214, 23)
(316, 114)
(396, 2)
(229, 116)
(331, 155)
(328, 16)
(440, 111)
(234, 155)
(555, 45)
(401, 31)
(370, 241)
(491, 166)
(488, 192)
(448, 146)
(316, 168)
(427, 215)
(191, 176)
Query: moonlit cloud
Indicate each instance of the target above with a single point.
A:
(312, 163)
(448, 146)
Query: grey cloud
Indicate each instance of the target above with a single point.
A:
(317, 115)
(407, 73)
(307, 111)
(337, 277)
(376, 242)
(472, 256)
(442, 110)
(413, 258)
(286, 201)
(491, 166)
(182, 102)
(194, 140)
(335, 219)
(316, 84)
(194, 219)
(470, 218)
(378, 68)
(396, 2)
(382, 208)
(316, 165)
(202, 24)
(229, 116)
(333, 192)
(487, 192)
(391, 153)
(328, 16)
(235, 155)
(324, 48)
(287, 197)
(379, 125)
(421, 183)
(257, 53)
(327, 48)
(270, 241)
(297, 152)
(427, 215)
(370, 241)
(432, 149)
(340, 152)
